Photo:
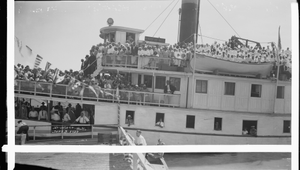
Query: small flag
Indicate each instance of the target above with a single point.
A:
(38, 61)
(82, 90)
(118, 94)
(71, 84)
(93, 90)
(19, 44)
(47, 68)
(59, 79)
(55, 75)
(279, 40)
(28, 51)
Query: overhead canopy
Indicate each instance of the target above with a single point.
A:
(109, 29)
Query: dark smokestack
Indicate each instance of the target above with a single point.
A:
(189, 20)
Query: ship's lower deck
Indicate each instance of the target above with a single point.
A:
(184, 126)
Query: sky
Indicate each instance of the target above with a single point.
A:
(64, 32)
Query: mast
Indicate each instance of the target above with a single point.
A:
(189, 20)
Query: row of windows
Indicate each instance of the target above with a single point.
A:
(160, 82)
(190, 122)
(229, 89)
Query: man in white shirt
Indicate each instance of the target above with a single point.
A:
(43, 115)
(140, 140)
(82, 119)
(33, 114)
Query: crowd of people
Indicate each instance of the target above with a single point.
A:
(69, 114)
(179, 54)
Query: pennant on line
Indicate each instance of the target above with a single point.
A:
(19, 44)
(279, 40)
(28, 51)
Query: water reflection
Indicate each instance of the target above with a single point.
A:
(209, 161)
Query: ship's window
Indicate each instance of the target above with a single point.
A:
(255, 90)
(190, 121)
(129, 119)
(175, 82)
(249, 127)
(286, 126)
(130, 37)
(280, 92)
(229, 88)
(148, 81)
(160, 119)
(160, 82)
(201, 86)
(218, 123)
(110, 37)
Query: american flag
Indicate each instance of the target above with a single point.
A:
(38, 61)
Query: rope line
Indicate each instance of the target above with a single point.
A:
(200, 33)
(166, 18)
(187, 38)
(223, 18)
(159, 15)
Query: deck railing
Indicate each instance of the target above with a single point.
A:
(62, 130)
(141, 62)
(109, 95)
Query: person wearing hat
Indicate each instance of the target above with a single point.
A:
(168, 89)
(43, 113)
(140, 140)
(82, 64)
(23, 129)
(86, 65)
(129, 120)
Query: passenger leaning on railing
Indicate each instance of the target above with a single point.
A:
(82, 119)
(23, 129)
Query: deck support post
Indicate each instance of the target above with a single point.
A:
(33, 132)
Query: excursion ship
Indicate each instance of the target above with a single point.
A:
(214, 103)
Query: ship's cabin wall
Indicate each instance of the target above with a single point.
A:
(156, 83)
(240, 94)
(121, 37)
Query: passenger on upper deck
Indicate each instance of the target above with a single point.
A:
(43, 113)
